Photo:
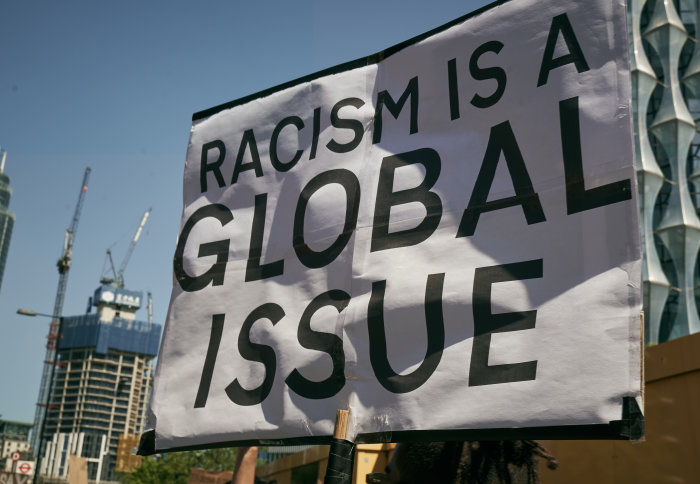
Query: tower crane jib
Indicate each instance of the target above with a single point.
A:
(132, 245)
(118, 276)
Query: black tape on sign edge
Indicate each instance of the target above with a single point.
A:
(146, 450)
(630, 427)
(340, 462)
(147, 444)
(632, 424)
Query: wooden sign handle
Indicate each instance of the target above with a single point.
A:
(341, 424)
(342, 453)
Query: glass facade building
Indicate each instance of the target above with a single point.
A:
(7, 217)
(665, 65)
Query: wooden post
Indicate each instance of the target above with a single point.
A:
(341, 424)
(342, 452)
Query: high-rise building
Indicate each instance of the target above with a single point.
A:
(665, 65)
(7, 217)
(101, 384)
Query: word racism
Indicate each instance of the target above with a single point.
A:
(218, 169)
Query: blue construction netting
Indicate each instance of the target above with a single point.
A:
(87, 330)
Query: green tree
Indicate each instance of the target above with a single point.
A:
(175, 467)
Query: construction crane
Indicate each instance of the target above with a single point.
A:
(118, 277)
(64, 263)
(150, 308)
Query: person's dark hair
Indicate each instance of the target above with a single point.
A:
(483, 462)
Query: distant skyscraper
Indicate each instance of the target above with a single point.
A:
(7, 217)
(101, 383)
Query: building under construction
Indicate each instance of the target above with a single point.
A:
(97, 371)
(101, 383)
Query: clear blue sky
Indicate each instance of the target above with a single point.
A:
(113, 85)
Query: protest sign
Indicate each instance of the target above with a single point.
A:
(441, 238)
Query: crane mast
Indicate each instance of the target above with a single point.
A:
(150, 308)
(63, 264)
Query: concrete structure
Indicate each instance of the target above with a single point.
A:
(64, 446)
(7, 217)
(14, 437)
(101, 383)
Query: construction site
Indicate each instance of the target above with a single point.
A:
(97, 370)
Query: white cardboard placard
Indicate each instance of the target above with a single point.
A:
(441, 237)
